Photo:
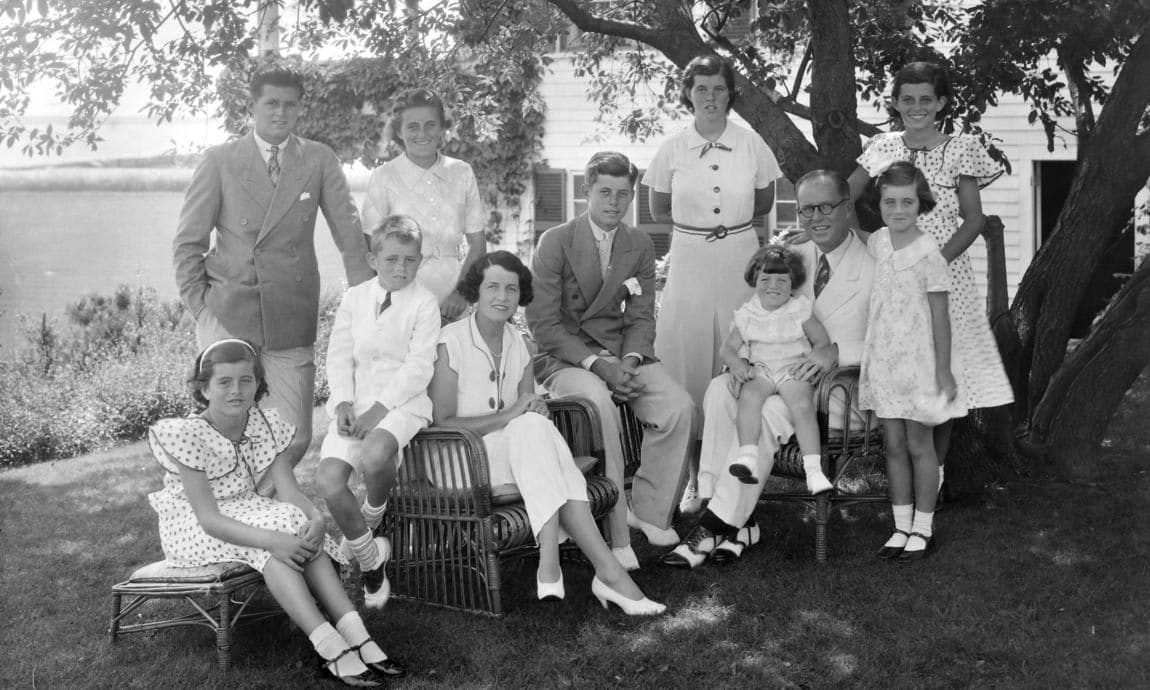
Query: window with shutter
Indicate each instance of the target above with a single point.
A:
(660, 232)
(550, 199)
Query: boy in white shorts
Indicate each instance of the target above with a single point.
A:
(379, 362)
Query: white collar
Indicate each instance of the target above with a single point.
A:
(601, 234)
(835, 256)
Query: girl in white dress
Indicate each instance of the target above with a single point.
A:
(906, 375)
(484, 382)
(956, 167)
(438, 191)
(210, 512)
(769, 335)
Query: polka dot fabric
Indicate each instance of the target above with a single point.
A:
(982, 381)
(231, 469)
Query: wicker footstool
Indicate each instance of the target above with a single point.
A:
(219, 595)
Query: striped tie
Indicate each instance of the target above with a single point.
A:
(274, 164)
(822, 275)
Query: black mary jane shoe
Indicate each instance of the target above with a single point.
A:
(367, 679)
(387, 668)
(888, 552)
(912, 556)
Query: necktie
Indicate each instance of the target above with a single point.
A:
(604, 253)
(822, 275)
(386, 303)
(713, 145)
(274, 164)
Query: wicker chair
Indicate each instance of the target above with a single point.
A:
(851, 450)
(219, 596)
(451, 530)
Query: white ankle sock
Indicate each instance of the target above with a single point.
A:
(352, 629)
(373, 515)
(748, 452)
(329, 644)
(924, 525)
(365, 551)
(812, 463)
(903, 519)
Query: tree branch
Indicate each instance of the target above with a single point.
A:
(615, 27)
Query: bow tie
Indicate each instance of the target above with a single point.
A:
(713, 145)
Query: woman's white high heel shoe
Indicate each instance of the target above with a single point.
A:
(550, 590)
(631, 607)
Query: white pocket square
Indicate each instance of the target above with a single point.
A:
(305, 196)
(632, 285)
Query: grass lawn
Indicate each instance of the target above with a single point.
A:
(1038, 583)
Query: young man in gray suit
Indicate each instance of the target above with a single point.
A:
(593, 318)
(842, 273)
(259, 280)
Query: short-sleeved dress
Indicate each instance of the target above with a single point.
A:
(709, 186)
(982, 379)
(232, 469)
(897, 379)
(443, 199)
(774, 339)
(529, 452)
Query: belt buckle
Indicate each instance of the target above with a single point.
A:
(718, 233)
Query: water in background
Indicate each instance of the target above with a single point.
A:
(56, 246)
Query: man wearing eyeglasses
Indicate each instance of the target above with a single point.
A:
(840, 273)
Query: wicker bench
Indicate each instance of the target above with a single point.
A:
(220, 596)
(451, 530)
(851, 454)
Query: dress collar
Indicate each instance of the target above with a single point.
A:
(410, 172)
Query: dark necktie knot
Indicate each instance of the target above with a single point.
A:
(717, 145)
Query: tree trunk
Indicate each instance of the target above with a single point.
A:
(834, 106)
(1113, 164)
(1073, 415)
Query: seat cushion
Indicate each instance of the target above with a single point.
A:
(504, 494)
(162, 571)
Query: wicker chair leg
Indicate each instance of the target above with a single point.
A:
(822, 516)
(114, 626)
(224, 633)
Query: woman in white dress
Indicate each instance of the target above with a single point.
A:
(709, 181)
(483, 382)
(439, 191)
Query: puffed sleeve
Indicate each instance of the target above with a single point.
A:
(878, 153)
(937, 275)
(658, 175)
(766, 167)
(974, 160)
(174, 443)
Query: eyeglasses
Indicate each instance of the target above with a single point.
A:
(824, 208)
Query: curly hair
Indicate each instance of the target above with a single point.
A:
(904, 174)
(775, 258)
(468, 285)
(414, 98)
(228, 351)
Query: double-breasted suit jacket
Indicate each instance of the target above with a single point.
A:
(260, 277)
(577, 311)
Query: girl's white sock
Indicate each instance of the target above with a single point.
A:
(352, 629)
(903, 519)
(749, 451)
(329, 644)
(812, 463)
(924, 525)
(373, 515)
(365, 551)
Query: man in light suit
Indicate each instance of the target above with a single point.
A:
(842, 274)
(593, 318)
(256, 276)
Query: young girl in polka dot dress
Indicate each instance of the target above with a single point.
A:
(956, 167)
(210, 512)
(906, 375)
